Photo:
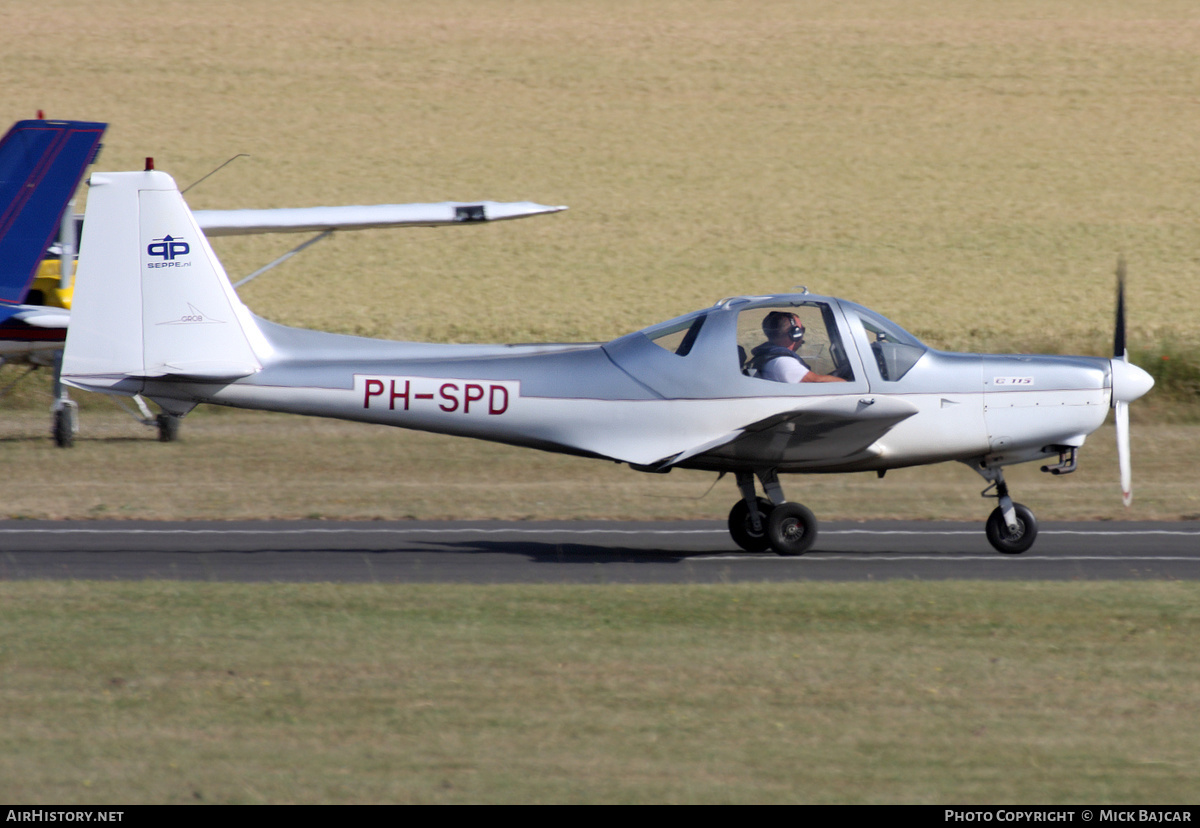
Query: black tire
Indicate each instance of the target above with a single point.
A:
(791, 529)
(741, 528)
(1010, 543)
(64, 428)
(168, 428)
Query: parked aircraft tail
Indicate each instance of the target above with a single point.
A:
(41, 163)
(151, 298)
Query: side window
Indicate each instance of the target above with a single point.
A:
(677, 336)
(821, 349)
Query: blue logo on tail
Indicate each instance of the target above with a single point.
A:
(168, 248)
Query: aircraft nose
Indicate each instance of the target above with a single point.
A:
(1129, 381)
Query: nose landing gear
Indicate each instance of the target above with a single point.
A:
(1011, 527)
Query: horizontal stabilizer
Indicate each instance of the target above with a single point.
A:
(208, 370)
(363, 217)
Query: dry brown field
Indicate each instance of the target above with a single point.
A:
(971, 170)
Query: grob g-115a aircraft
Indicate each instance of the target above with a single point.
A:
(163, 321)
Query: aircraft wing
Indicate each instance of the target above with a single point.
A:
(32, 332)
(825, 429)
(41, 163)
(363, 217)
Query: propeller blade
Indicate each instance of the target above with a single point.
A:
(1122, 420)
(1129, 382)
(1119, 351)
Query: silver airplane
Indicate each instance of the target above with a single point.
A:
(155, 314)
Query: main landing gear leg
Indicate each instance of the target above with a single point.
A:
(1011, 527)
(64, 410)
(757, 523)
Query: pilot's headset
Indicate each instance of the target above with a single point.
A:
(778, 323)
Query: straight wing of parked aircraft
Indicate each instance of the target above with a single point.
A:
(41, 164)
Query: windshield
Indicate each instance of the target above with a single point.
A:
(896, 351)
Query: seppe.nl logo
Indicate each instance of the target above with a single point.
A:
(170, 249)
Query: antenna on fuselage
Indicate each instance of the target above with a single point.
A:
(217, 170)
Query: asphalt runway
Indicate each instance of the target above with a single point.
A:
(578, 552)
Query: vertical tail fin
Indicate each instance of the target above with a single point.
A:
(151, 298)
(41, 163)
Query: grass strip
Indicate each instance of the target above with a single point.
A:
(898, 692)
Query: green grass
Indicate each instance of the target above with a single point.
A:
(904, 692)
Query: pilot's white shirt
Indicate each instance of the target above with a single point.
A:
(784, 369)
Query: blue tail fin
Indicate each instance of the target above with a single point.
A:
(41, 163)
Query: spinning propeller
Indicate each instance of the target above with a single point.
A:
(1128, 383)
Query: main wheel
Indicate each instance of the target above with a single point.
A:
(65, 426)
(741, 527)
(791, 529)
(168, 428)
(1007, 542)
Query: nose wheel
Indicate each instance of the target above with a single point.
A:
(757, 524)
(1011, 527)
(1009, 541)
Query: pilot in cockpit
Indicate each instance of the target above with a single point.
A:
(776, 359)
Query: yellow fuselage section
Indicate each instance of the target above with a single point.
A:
(45, 289)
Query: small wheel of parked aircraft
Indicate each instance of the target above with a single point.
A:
(168, 428)
(742, 528)
(791, 529)
(65, 425)
(1007, 542)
